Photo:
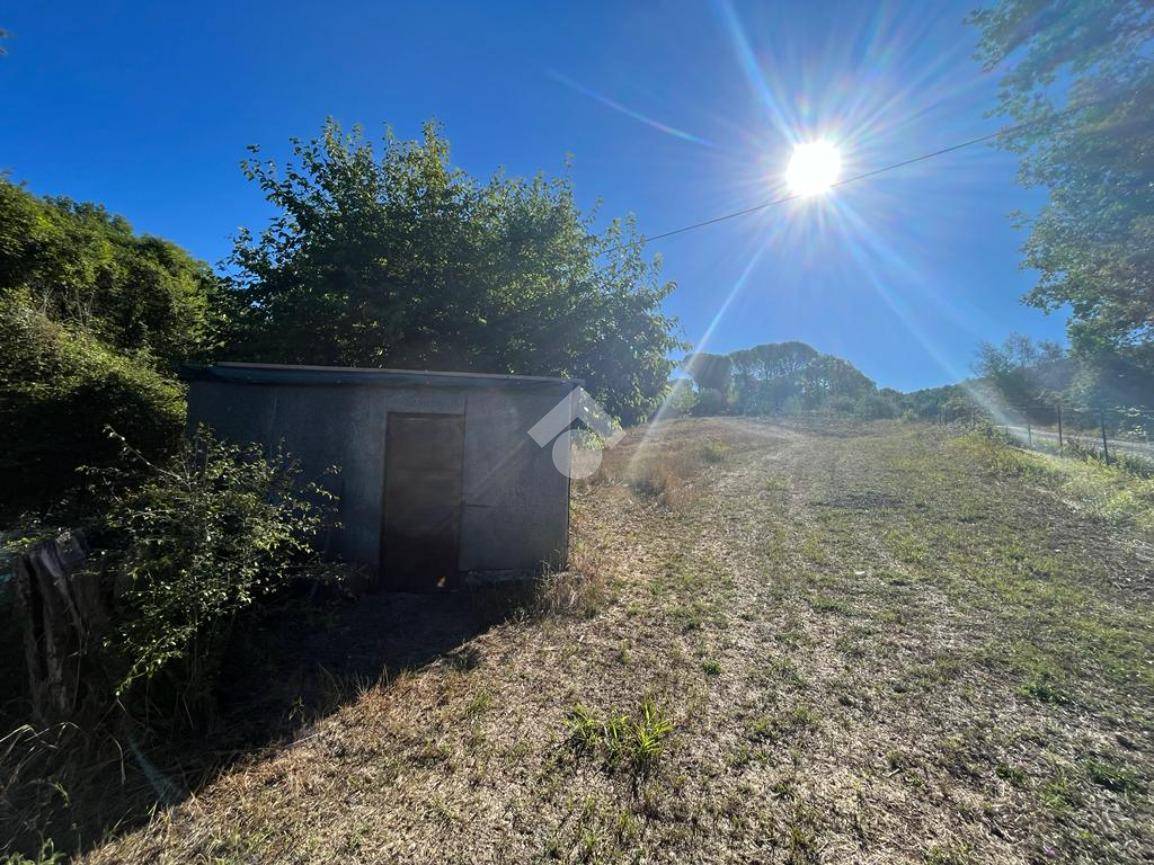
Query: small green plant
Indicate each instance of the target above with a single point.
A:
(634, 743)
(584, 729)
(1011, 774)
(826, 604)
(714, 452)
(649, 734)
(711, 666)
(948, 854)
(1117, 779)
(481, 702)
(48, 855)
(1045, 687)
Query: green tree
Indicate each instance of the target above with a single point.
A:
(1081, 74)
(399, 259)
(1025, 378)
(828, 377)
(709, 371)
(769, 377)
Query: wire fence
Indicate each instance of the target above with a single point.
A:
(1100, 442)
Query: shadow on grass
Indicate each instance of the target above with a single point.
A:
(281, 676)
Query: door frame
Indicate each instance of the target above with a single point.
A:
(384, 580)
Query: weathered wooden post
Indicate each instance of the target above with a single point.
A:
(1060, 444)
(1105, 446)
(63, 613)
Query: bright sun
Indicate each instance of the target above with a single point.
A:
(814, 168)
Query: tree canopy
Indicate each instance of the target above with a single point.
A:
(396, 258)
(1081, 74)
(1028, 378)
(709, 371)
(782, 377)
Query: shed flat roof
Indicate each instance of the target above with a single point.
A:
(275, 373)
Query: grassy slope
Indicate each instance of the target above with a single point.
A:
(879, 646)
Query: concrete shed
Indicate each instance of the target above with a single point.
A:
(440, 482)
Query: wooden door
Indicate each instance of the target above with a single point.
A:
(421, 523)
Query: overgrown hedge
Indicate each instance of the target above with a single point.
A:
(61, 388)
(93, 320)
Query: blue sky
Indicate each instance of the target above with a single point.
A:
(673, 111)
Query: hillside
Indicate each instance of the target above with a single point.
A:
(870, 643)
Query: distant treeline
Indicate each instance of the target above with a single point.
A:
(1019, 382)
(784, 378)
(1023, 382)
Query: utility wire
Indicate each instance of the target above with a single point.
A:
(874, 173)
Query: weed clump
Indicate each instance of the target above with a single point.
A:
(714, 452)
(630, 742)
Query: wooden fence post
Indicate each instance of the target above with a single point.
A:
(63, 614)
(1105, 446)
(1060, 445)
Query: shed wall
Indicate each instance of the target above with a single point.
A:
(515, 513)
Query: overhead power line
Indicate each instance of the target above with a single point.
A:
(857, 177)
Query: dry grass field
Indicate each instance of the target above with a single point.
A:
(779, 644)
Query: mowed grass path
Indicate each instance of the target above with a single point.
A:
(874, 644)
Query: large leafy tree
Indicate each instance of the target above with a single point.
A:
(828, 377)
(392, 257)
(709, 371)
(1080, 73)
(767, 377)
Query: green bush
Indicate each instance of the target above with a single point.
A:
(681, 400)
(79, 265)
(204, 537)
(710, 403)
(874, 406)
(93, 317)
(59, 389)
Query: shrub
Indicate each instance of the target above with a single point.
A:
(714, 451)
(842, 404)
(874, 407)
(710, 402)
(681, 401)
(652, 480)
(81, 266)
(202, 538)
(59, 389)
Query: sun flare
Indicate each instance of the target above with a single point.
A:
(814, 168)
